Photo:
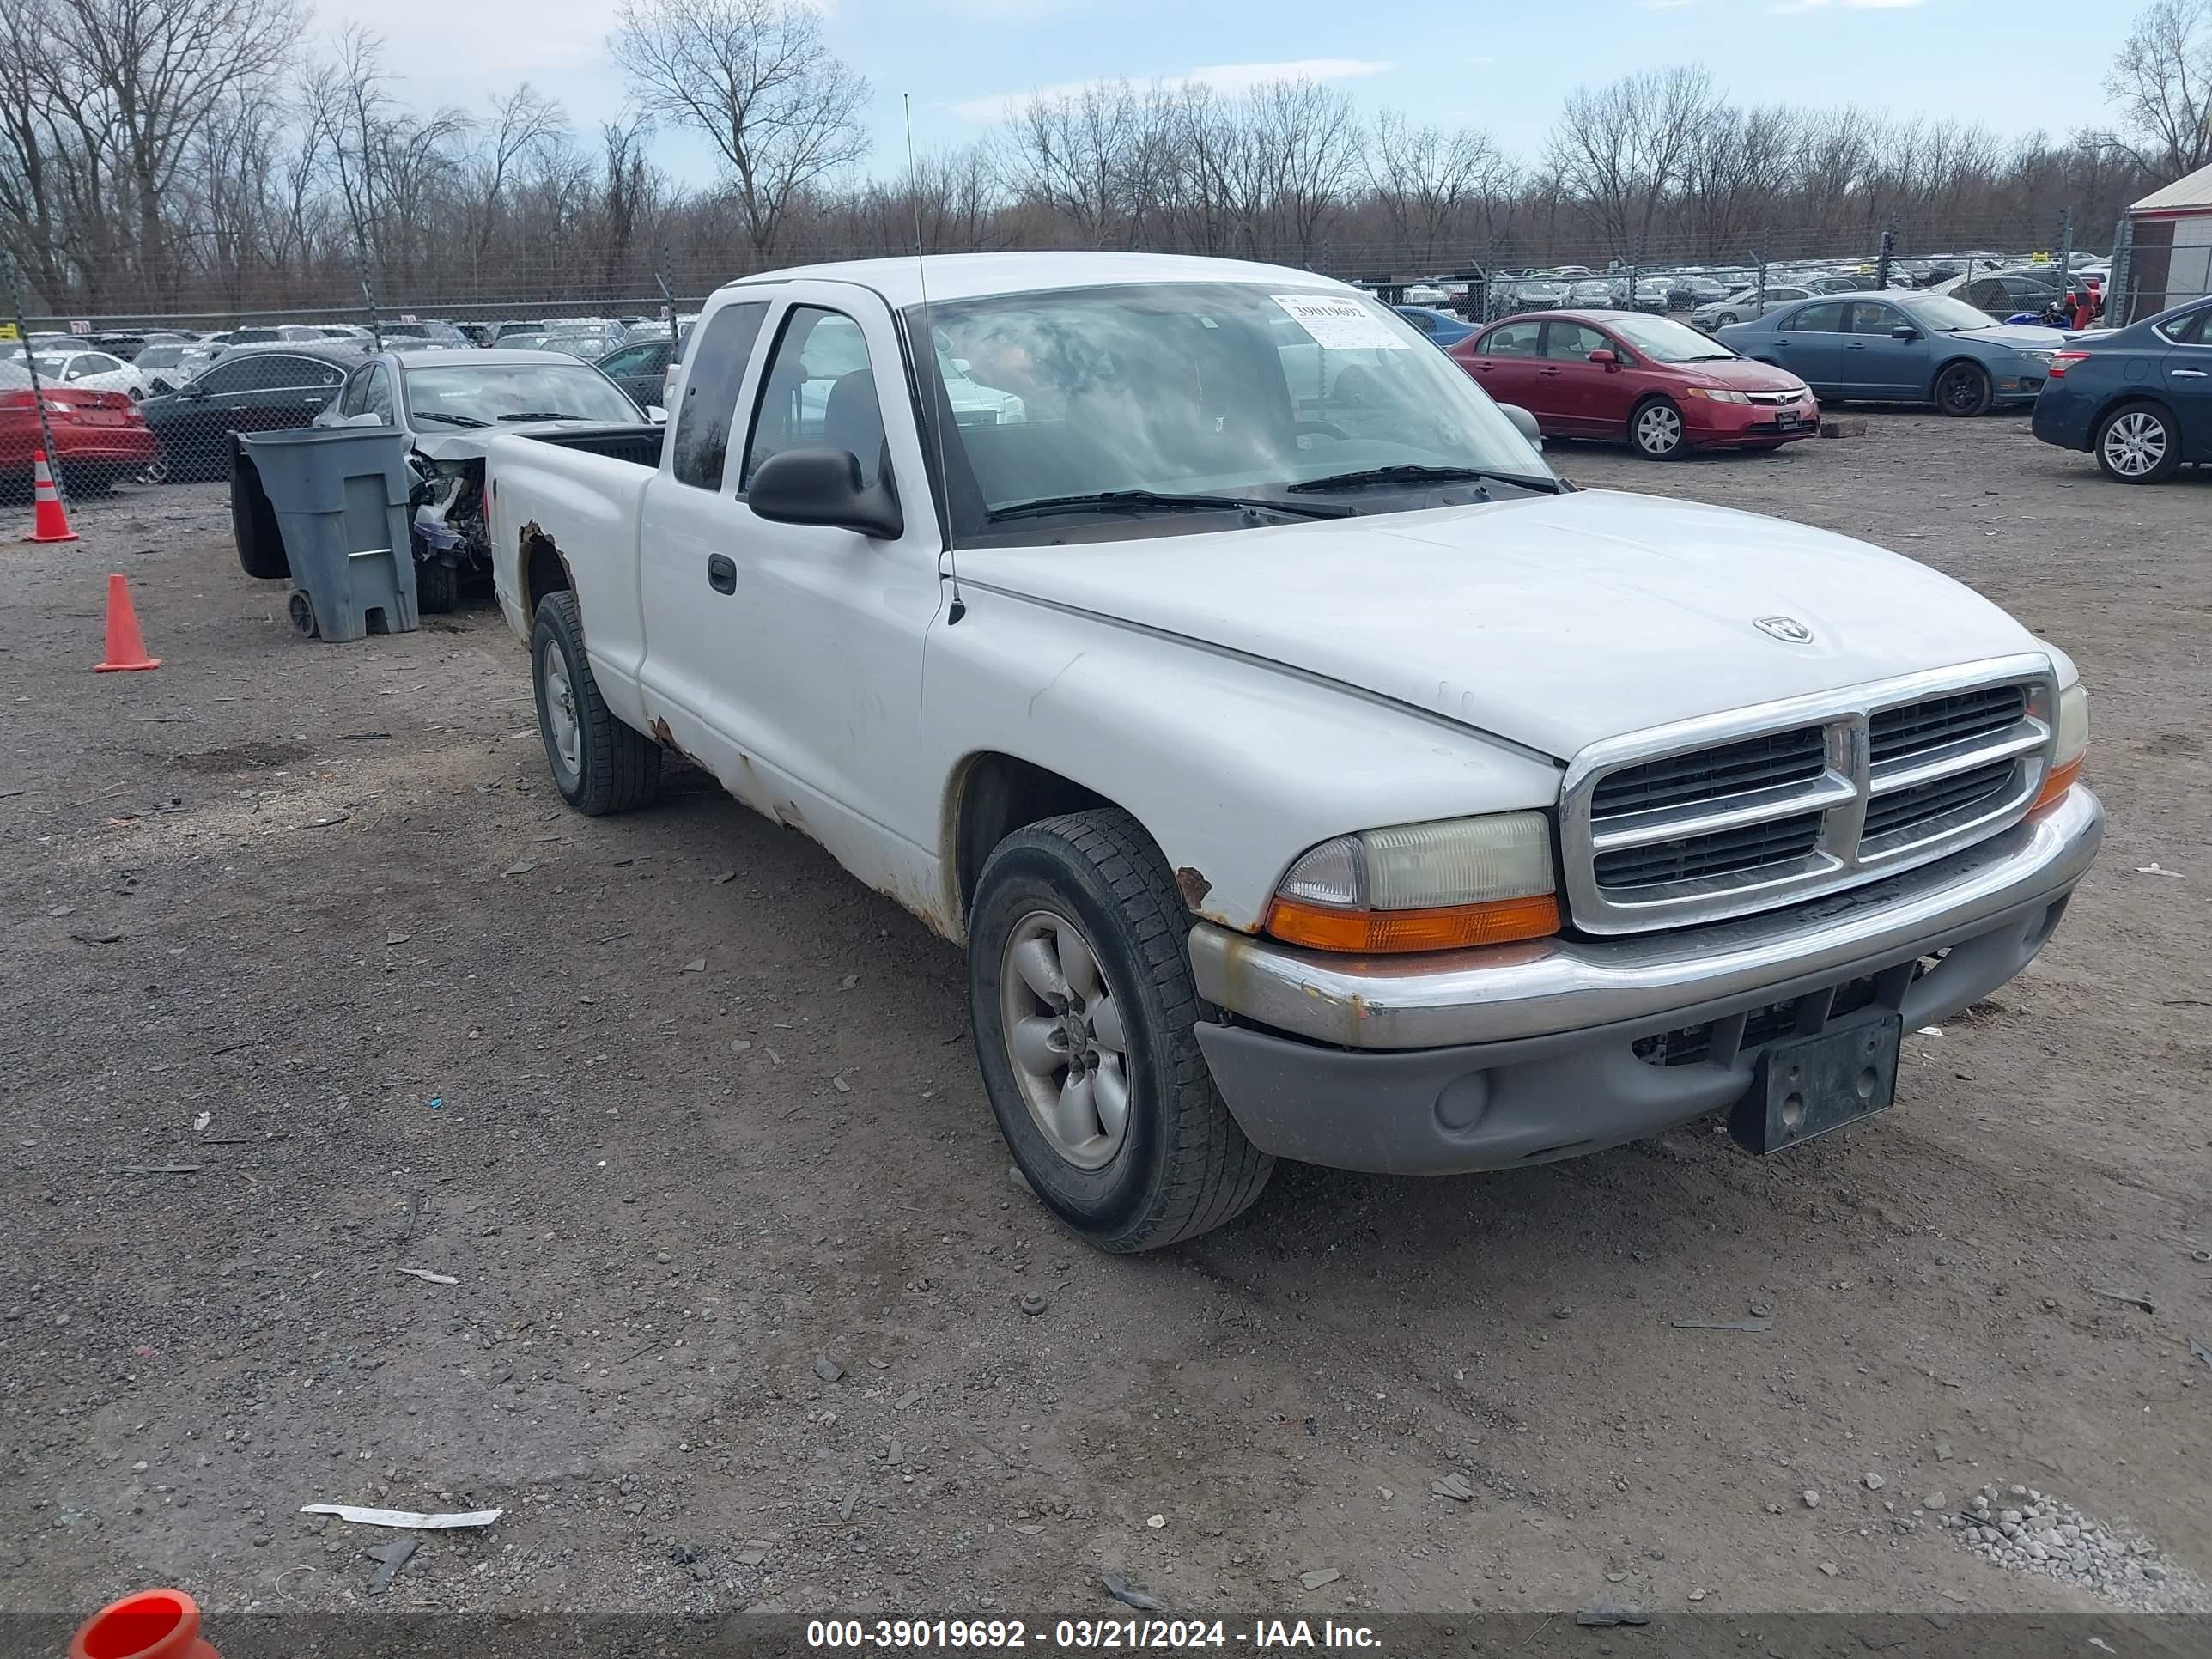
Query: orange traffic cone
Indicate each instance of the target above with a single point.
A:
(160, 1624)
(49, 519)
(126, 646)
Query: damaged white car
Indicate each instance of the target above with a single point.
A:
(448, 402)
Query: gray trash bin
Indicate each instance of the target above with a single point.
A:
(340, 495)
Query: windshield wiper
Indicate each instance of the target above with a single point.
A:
(1122, 500)
(1409, 474)
(542, 414)
(450, 419)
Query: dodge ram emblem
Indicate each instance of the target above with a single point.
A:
(1788, 630)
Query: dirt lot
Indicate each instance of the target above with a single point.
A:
(683, 1110)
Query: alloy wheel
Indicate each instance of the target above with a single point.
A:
(1065, 1039)
(2135, 444)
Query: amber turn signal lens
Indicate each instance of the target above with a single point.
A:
(2055, 786)
(1390, 933)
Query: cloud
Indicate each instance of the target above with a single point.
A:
(1230, 78)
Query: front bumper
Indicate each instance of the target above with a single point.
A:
(1515, 1054)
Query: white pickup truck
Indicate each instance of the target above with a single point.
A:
(1307, 770)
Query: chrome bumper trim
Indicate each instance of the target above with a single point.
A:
(1504, 992)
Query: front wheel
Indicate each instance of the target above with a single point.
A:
(1726, 319)
(2136, 444)
(1080, 995)
(1964, 390)
(600, 764)
(1656, 429)
(437, 586)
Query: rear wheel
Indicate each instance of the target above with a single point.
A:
(1656, 429)
(437, 586)
(1964, 390)
(1085, 1018)
(2136, 443)
(600, 764)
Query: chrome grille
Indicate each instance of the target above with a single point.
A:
(1760, 762)
(1772, 397)
(1715, 818)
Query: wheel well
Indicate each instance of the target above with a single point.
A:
(544, 569)
(999, 793)
(1950, 363)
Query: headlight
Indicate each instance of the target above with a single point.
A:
(2040, 359)
(1719, 394)
(2073, 743)
(1422, 887)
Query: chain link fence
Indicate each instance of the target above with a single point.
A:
(153, 399)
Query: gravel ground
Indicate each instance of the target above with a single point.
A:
(692, 1120)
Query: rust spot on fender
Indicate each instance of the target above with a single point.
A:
(1193, 887)
(662, 735)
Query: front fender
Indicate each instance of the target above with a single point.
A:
(1234, 767)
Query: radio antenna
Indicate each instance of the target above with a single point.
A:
(933, 378)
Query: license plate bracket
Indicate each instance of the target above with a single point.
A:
(1787, 419)
(1805, 1086)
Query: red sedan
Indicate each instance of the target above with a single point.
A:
(98, 436)
(1660, 384)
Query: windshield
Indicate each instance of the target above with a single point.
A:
(1945, 315)
(1667, 341)
(1201, 389)
(481, 393)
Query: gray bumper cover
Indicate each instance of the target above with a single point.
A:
(1516, 1053)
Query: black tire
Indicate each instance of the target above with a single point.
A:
(437, 586)
(617, 769)
(1656, 430)
(1726, 319)
(2150, 426)
(301, 609)
(1964, 390)
(253, 527)
(1182, 1167)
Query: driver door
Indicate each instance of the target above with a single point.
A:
(1578, 393)
(1877, 363)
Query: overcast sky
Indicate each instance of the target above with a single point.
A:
(1506, 67)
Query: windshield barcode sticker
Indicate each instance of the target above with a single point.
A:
(1340, 323)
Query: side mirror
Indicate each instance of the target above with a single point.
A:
(823, 486)
(656, 414)
(1605, 359)
(193, 394)
(1523, 422)
(1905, 331)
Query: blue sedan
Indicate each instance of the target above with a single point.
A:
(1441, 326)
(2139, 398)
(1901, 348)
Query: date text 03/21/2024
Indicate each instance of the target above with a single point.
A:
(1069, 1635)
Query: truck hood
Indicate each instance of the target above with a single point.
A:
(1552, 620)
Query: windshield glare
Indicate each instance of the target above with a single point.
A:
(1667, 342)
(1942, 312)
(487, 391)
(1198, 388)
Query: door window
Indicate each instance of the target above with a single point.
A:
(1869, 317)
(710, 394)
(1572, 342)
(227, 377)
(2187, 330)
(1513, 340)
(1826, 317)
(820, 393)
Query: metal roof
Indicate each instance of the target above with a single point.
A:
(2192, 190)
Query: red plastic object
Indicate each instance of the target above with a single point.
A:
(49, 519)
(126, 646)
(156, 1624)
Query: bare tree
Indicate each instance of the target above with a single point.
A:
(1620, 149)
(2162, 82)
(755, 78)
(1431, 183)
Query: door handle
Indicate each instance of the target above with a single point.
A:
(1856, 345)
(721, 573)
(1547, 371)
(2191, 375)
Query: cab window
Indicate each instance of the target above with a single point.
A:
(818, 392)
(702, 443)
